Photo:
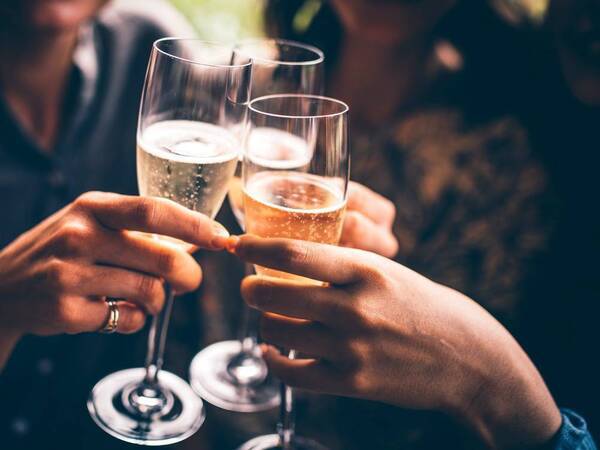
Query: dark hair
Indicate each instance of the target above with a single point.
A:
(495, 53)
(323, 29)
(472, 25)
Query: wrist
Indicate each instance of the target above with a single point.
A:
(506, 401)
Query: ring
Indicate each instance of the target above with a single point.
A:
(113, 317)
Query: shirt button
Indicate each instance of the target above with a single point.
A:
(57, 180)
(45, 366)
(20, 426)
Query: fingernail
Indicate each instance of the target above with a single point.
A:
(232, 243)
(220, 230)
(264, 348)
(219, 241)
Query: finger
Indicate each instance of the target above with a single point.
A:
(101, 281)
(154, 215)
(371, 204)
(310, 374)
(139, 252)
(293, 299)
(306, 337)
(93, 314)
(309, 259)
(361, 232)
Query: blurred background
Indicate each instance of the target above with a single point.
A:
(223, 20)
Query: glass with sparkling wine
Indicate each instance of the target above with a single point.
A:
(232, 374)
(195, 96)
(304, 202)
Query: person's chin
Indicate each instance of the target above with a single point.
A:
(57, 15)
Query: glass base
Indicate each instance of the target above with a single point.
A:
(271, 442)
(164, 417)
(215, 373)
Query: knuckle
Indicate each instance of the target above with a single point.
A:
(389, 209)
(358, 382)
(150, 291)
(88, 200)
(74, 236)
(199, 226)
(166, 260)
(355, 350)
(145, 211)
(296, 253)
(372, 270)
(351, 313)
(254, 291)
(59, 276)
(65, 315)
(351, 224)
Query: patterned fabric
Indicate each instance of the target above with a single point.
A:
(573, 433)
(473, 203)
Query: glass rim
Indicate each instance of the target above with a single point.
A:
(319, 59)
(322, 98)
(156, 47)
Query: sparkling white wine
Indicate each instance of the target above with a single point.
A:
(293, 205)
(189, 162)
(269, 148)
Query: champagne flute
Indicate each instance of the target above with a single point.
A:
(306, 202)
(194, 95)
(232, 374)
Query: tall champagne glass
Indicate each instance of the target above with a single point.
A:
(232, 374)
(195, 96)
(307, 202)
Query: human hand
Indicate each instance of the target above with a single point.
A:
(54, 277)
(382, 332)
(368, 222)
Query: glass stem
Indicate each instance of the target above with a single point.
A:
(157, 338)
(249, 338)
(286, 426)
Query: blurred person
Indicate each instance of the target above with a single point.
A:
(380, 331)
(433, 132)
(563, 112)
(433, 89)
(71, 73)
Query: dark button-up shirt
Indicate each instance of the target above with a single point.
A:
(44, 386)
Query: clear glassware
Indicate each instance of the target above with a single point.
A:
(232, 374)
(195, 96)
(284, 199)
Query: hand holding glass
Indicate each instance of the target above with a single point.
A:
(194, 95)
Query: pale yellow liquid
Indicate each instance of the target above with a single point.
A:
(188, 162)
(269, 148)
(293, 205)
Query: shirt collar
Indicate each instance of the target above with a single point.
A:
(86, 66)
(83, 79)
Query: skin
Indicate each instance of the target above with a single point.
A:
(575, 25)
(380, 331)
(395, 35)
(368, 222)
(54, 278)
(37, 40)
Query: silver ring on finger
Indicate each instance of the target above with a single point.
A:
(112, 321)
